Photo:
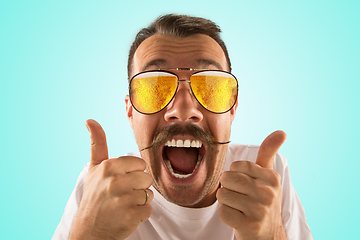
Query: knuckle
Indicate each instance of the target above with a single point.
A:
(124, 199)
(106, 166)
(111, 186)
(274, 178)
(268, 194)
(277, 179)
(117, 184)
(261, 213)
(127, 198)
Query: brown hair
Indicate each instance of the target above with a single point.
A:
(178, 26)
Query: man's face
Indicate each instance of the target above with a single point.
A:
(194, 177)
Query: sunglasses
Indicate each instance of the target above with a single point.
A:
(152, 91)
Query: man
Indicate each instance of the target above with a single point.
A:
(187, 182)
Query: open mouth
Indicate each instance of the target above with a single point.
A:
(183, 157)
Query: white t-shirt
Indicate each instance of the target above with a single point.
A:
(170, 221)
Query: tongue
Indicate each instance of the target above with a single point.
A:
(182, 159)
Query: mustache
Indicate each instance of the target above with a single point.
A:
(162, 135)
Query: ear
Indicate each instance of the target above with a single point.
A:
(233, 111)
(129, 110)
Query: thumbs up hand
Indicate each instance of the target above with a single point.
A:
(115, 198)
(251, 194)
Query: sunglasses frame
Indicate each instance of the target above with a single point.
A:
(167, 70)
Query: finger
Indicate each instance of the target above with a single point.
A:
(144, 212)
(134, 212)
(140, 180)
(237, 182)
(142, 198)
(249, 206)
(124, 183)
(131, 164)
(269, 148)
(230, 198)
(249, 168)
(122, 165)
(99, 150)
(231, 216)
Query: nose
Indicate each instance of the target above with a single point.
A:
(183, 107)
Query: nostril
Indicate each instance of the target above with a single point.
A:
(183, 108)
(194, 118)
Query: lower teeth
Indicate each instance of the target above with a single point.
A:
(185, 175)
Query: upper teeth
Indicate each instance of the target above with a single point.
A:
(181, 143)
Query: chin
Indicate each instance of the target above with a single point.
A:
(188, 187)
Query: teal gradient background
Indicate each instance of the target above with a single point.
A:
(63, 62)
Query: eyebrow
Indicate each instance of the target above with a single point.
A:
(156, 62)
(202, 62)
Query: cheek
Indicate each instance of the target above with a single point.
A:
(144, 127)
(219, 126)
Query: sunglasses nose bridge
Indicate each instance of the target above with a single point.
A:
(183, 106)
(185, 85)
(184, 80)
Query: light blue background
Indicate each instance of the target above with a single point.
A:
(62, 62)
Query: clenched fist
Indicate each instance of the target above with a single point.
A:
(114, 200)
(251, 194)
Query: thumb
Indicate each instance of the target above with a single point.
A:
(99, 150)
(269, 148)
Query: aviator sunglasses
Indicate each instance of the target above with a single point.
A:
(151, 91)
